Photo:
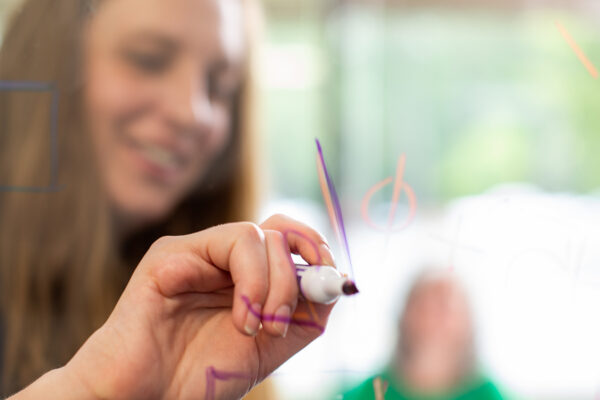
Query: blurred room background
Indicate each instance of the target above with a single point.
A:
(499, 123)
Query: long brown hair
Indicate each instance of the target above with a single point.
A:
(61, 270)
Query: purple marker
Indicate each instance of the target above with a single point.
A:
(323, 284)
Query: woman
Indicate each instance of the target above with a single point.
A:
(154, 139)
(435, 357)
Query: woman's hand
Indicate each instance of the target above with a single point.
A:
(188, 325)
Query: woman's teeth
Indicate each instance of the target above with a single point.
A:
(160, 156)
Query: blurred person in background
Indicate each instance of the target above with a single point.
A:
(156, 138)
(435, 355)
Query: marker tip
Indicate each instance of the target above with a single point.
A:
(349, 288)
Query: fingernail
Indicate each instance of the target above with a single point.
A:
(326, 255)
(252, 320)
(282, 323)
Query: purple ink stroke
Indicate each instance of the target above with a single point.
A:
(337, 208)
(277, 318)
(212, 375)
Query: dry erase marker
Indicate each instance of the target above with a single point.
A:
(323, 284)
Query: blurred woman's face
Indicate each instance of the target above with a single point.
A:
(160, 80)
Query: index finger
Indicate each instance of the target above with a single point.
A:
(301, 239)
(191, 264)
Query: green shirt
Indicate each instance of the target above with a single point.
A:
(477, 388)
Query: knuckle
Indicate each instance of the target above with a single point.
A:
(279, 216)
(163, 262)
(251, 231)
(275, 218)
(274, 236)
(161, 242)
